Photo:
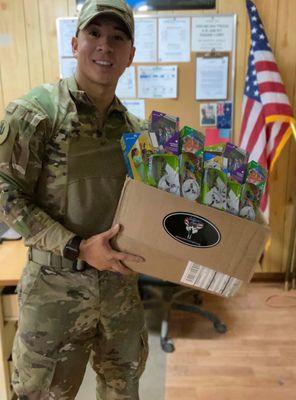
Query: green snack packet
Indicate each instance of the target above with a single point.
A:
(163, 173)
(191, 175)
(214, 189)
(191, 141)
(233, 196)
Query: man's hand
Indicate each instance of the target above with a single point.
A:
(97, 252)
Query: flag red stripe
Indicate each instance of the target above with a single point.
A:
(271, 87)
(262, 66)
(246, 115)
(277, 109)
(259, 124)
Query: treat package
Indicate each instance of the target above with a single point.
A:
(191, 141)
(137, 148)
(252, 190)
(237, 161)
(191, 170)
(214, 189)
(128, 141)
(164, 132)
(233, 196)
(163, 173)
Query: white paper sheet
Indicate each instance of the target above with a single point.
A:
(211, 78)
(67, 67)
(145, 40)
(136, 107)
(212, 33)
(126, 87)
(157, 82)
(66, 29)
(174, 40)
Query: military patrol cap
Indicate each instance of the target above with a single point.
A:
(92, 8)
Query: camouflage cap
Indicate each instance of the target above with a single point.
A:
(118, 8)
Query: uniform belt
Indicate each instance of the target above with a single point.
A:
(49, 259)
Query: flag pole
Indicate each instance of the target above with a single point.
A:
(291, 269)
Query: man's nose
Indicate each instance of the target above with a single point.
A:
(105, 44)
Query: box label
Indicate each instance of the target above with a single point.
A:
(208, 279)
(192, 230)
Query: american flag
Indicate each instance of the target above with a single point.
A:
(267, 117)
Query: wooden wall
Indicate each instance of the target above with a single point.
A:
(29, 57)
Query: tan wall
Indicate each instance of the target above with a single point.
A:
(29, 57)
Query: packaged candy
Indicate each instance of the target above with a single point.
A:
(191, 167)
(233, 196)
(191, 141)
(252, 190)
(164, 132)
(137, 149)
(214, 188)
(237, 160)
(163, 173)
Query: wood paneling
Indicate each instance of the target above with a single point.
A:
(29, 57)
(14, 56)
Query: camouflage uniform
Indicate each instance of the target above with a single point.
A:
(61, 174)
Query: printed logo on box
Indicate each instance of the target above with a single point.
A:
(192, 230)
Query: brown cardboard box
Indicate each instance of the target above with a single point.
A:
(186, 242)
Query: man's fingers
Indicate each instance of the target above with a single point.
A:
(111, 232)
(118, 267)
(117, 255)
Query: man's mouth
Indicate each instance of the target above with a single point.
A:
(103, 63)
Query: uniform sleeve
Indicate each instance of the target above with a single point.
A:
(22, 141)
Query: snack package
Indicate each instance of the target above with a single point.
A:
(233, 196)
(127, 142)
(214, 188)
(164, 132)
(163, 173)
(252, 190)
(191, 169)
(191, 141)
(137, 149)
(237, 160)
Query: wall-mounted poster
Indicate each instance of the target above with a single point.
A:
(208, 114)
(211, 78)
(155, 82)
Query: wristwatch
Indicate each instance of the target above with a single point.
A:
(71, 250)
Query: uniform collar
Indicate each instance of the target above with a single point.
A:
(81, 97)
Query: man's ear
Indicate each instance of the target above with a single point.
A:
(131, 56)
(74, 43)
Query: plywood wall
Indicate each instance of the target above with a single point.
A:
(29, 57)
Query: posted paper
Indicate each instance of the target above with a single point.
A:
(145, 40)
(157, 82)
(174, 40)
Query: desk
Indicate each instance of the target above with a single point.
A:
(13, 255)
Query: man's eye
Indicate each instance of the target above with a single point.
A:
(94, 33)
(119, 37)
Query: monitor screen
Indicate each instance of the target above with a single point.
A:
(146, 5)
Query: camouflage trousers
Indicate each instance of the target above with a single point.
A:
(67, 318)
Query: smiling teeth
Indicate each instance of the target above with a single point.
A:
(103, 62)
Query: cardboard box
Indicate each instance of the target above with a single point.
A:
(186, 242)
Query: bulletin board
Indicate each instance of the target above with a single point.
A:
(185, 105)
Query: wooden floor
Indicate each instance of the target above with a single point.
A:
(254, 360)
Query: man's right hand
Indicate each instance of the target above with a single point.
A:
(97, 252)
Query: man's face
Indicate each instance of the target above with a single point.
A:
(103, 50)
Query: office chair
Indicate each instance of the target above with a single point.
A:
(156, 293)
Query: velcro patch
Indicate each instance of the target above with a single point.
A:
(4, 130)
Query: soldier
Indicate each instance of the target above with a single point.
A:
(61, 174)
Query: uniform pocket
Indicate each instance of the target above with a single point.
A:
(28, 281)
(144, 352)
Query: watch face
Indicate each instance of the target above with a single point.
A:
(71, 250)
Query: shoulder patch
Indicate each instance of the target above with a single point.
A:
(4, 130)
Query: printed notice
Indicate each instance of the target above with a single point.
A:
(157, 82)
(126, 87)
(145, 40)
(66, 29)
(211, 78)
(210, 280)
(136, 107)
(212, 33)
(174, 40)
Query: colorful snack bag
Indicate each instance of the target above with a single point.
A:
(127, 142)
(163, 173)
(191, 141)
(237, 160)
(233, 196)
(214, 188)
(164, 132)
(191, 170)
